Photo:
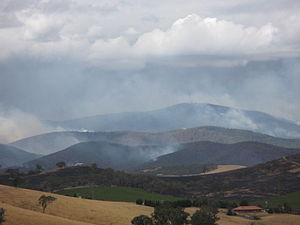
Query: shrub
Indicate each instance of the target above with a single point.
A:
(142, 220)
(2, 215)
(139, 201)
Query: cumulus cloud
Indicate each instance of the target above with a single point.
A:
(194, 35)
(47, 35)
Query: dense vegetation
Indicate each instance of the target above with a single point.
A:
(91, 176)
(169, 215)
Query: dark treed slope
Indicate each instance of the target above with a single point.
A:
(274, 178)
(12, 156)
(242, 153)
(186, 115)
(52, 142)
(104, 154)
(88, 176)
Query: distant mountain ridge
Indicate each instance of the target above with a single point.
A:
(56, 141)
(242, 153)
(116, 156)
(104, 154)
(11, 156)
(186, 115)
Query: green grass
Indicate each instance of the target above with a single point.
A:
(292, 200)
(120, 194)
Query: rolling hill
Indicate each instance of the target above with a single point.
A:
(270, 179)
(11, 156)
(104, 154)
(185, 115)
(117, 156)
(56, 141)
(21, 208)
(242, 153)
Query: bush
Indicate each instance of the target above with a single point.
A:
(230, 212)
(142, 220)
(139, 201)
(182, 203)
(2, 215)
(151, 203)
(244, 203)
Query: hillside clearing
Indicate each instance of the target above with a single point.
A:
(219, 169)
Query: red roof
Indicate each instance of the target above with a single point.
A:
(247, 208)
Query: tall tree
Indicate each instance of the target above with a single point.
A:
(61, 164)
(204, 216)
(2, 215)
(45, 200)
(39, 168)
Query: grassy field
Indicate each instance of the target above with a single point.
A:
(22, 209)
(119, 194)
(292, 200)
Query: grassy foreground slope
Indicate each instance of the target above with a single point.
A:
(120, 194)
(88, 211)
(22, 209)
(20, 216)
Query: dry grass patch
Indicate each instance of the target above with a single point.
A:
(19, 216)
(90, 211)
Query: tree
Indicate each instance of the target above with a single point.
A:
(94, 166)
(15, 176)
(204, 216)
(142, 220)
(61, 164)
(139, 201)
(39, 168)
(165, 215)
(45, 200)
(244, 203)
(2, 215)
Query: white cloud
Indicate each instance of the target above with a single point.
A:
(96, 32)
(194, 35)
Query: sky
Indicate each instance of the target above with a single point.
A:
(74, 58)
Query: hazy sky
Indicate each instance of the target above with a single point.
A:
(73, 58)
